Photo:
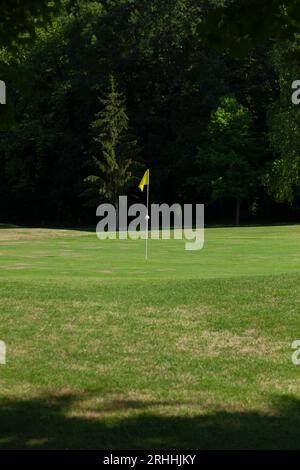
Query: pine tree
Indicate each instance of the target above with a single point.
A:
(114, 159)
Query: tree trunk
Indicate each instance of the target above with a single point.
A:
(237, 212)
(117, 214)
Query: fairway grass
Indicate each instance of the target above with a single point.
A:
(189, 350)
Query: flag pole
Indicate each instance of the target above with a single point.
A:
(147, 219)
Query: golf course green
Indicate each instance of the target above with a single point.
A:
(188, 350)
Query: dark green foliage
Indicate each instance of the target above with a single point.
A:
(114, 154)
(19, 23)
(241, 25)
(172, 81)
(228, 162)
(282, 177)
(19, 20)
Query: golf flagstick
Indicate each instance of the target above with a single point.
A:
(145, 182)
(147, 221)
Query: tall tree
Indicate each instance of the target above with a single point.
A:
(282, 177)
(115, 150)
(241, 25)
(228, 163)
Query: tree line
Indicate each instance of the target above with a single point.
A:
(197, 91)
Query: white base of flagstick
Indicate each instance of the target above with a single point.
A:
(147, 235)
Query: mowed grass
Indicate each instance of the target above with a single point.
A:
(188, 350)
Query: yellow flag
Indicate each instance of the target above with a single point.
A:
(144, 180)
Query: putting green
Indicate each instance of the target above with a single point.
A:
(227, 252)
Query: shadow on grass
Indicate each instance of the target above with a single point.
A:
(7, 226)
(44, 423)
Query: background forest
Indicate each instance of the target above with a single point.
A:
(113, 87)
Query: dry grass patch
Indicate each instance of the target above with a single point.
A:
(214, 343)
(38, 234)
